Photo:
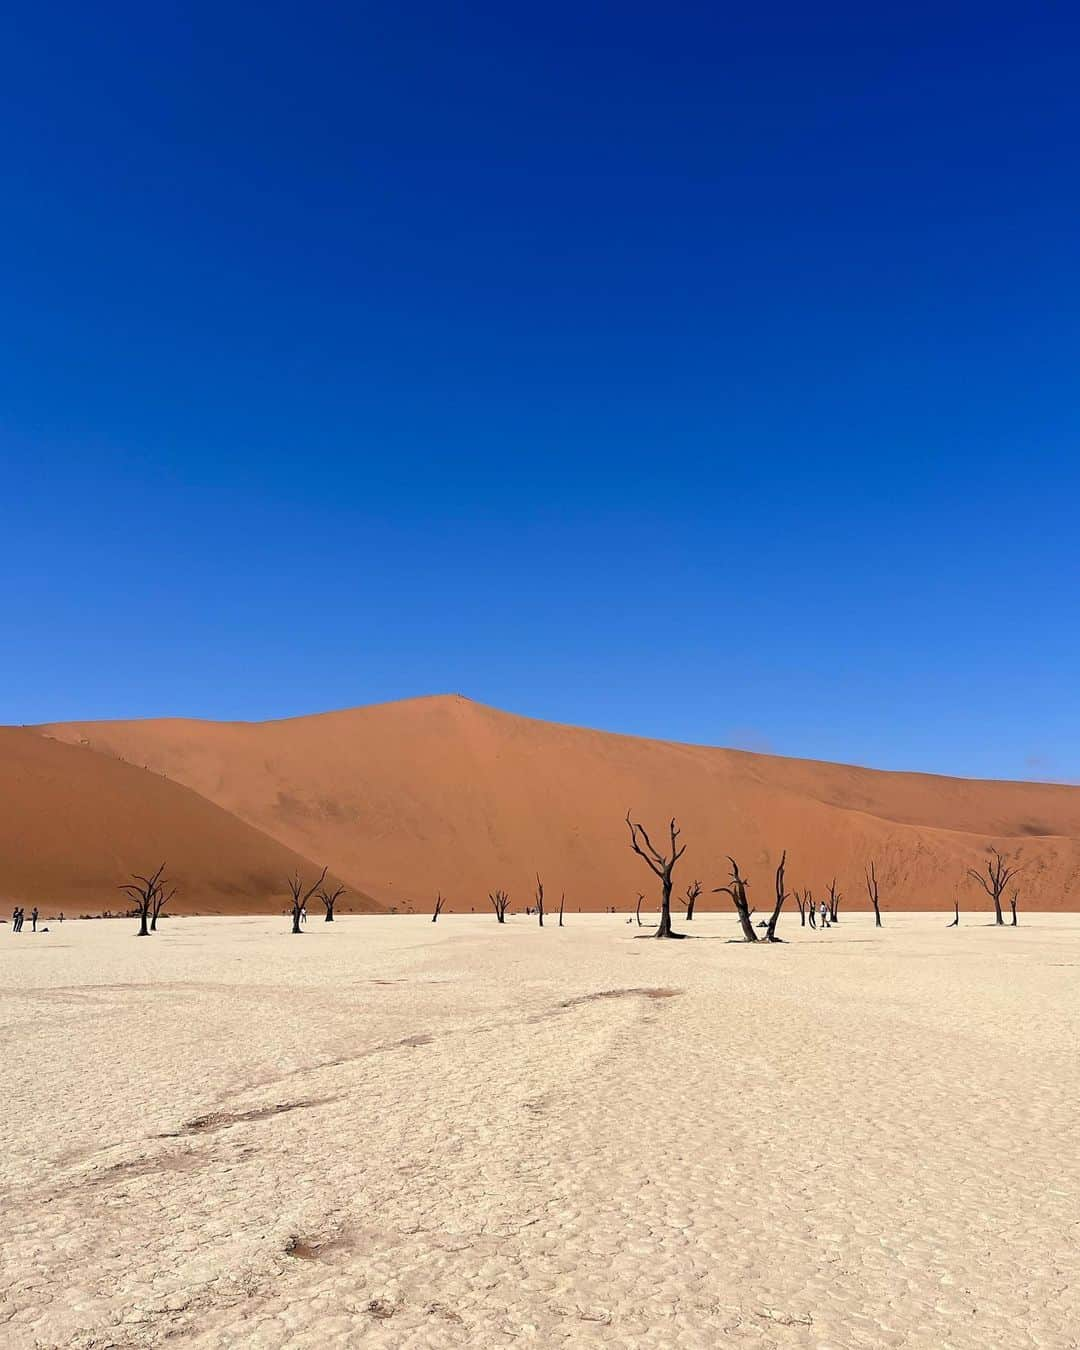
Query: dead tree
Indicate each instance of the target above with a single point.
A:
(872, 892)
(500, 902)
(161, 899)
(737, 891)
(811, 913)
(998, 875)
(801, 903)
(562, 906)
(956, 918)
(640, 901)
(770, 935)
(834, 902)
(662, 864)
(540, 899)
(300, 897)
(329, 899)
(439, 902)
(692, 893)
(144, 891)
(1012, 906)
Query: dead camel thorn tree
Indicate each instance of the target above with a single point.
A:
(300, 897)
(1012, 906)
(640, 902)
(956, 916)
(662, 864)
(562, 906)
(500, 902)
(329, 899)
(692, 893)
(737, 891)
(998, 875)
(770, 933)
(151, 895)
(801, 903)
(834, 902)
(539, 899)
(160, 901)
(872, 892)
(439, 902)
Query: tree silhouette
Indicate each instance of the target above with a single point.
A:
(737, 891)
(300, 897)
(998, 875)
(439, 902)
(872, 892)
(151, 895)
(693, 891)
(329, 899)
(770, 933)
(662, 864)
(500, 901)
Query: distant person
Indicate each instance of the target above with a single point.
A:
(824, 914)
(61, 916)
(303, 914)
(33, 920)
(16, 920)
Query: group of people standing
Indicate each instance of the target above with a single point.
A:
(18, 917)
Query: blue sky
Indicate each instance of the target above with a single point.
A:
(697, 371)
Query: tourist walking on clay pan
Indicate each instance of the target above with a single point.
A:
(16, 919)
(33, 920)
(824, 911)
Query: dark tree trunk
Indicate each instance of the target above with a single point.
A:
(770, 932)
(662, 865)
(144, 931)
(329, 913)
(1013, 905)
(665, 930)
(956, 918)
(737, 891)
(998, 876)
(562, 906)
(638, 910)
(295, 920)
(872, 892)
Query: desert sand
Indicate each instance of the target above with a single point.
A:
(75, 825)
(392, 1133)
(404, 799)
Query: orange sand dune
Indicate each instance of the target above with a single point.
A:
(74, 825)
(442, 793)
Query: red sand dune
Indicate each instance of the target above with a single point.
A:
(402, 799)
(74, 825)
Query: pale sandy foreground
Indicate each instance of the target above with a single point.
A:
(390, 1133)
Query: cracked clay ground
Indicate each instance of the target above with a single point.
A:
(389, 1133)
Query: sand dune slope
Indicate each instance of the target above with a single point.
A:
(74, 825)
(444, 793)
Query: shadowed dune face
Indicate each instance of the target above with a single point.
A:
(407, 798)
(74, 825)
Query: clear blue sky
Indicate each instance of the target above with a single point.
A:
(703, 371)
